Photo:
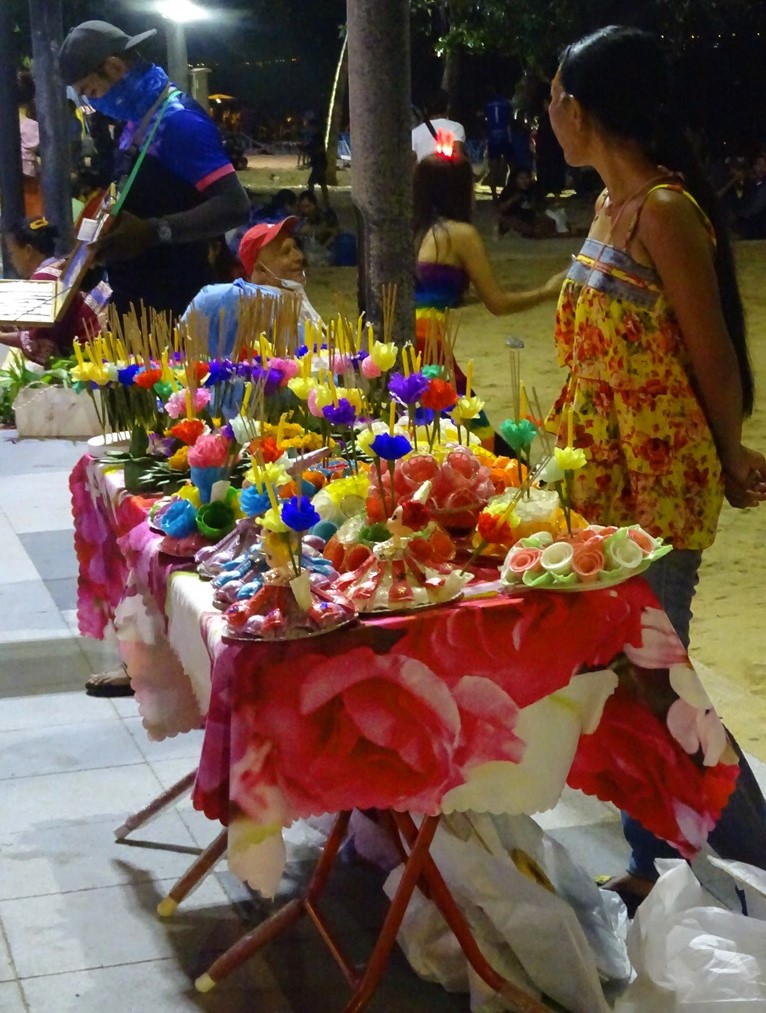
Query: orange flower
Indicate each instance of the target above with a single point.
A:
(495, 529)
(268, 448)
(148, 378)
(201, 369)
(439, 396)
(187, 430)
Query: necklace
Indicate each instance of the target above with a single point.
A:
(615, 209)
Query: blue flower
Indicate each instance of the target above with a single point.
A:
(299, 514)
(127, 375)
(390, 448)
(218, 372)
(179, 519)
(254, 503)
(424, 416)
(407, 389)
(342, 414)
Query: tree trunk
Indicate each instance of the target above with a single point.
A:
(451, 73)
(11, 181)
(335, 113)
(381, 144)
(53, 117)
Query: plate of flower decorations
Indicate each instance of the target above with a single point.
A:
(590, 559)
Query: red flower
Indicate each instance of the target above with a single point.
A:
(188, 430)
(495, 528)
(268, 448)
(439, 396)
(148, 378)
(201, 370)
(414, 515)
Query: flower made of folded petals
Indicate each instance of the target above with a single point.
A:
(299, 514)
(570, 458)
(518, 433)
(467, 408)
(341, 414)
(301, 386)
(384, 354)
(408, 389)
(389, 447)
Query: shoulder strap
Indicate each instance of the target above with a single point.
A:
(431, 127)
(677, 188)
(165, 98)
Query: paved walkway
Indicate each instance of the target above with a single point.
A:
(78, 930)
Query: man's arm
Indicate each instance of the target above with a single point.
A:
(225, 206)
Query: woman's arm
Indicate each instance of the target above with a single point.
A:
(469, 247)
(672, 232)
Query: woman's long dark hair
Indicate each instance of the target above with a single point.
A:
(619, 76)
(35, 232)
(442, 188)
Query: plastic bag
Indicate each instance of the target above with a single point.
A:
(524, 927)
(691, 954)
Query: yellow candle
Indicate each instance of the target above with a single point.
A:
(189, 409)
(469, 377)
(280, 430)
(246, 398)
(391, 418)
(262, 344)
(570, 427)
(333, 390)
(359, 324)
(270, 492)
(370, 337)
(405, 363)
(78, 353)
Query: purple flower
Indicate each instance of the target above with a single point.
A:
(244, 370)
(342, 414)
(299, 514)
(228, 432)
(270, 378)
(163, 446)
(390, 448)
(218, 372)
(407, 389)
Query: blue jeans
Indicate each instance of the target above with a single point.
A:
(740, 834)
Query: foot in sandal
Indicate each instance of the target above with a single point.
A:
(113, 683)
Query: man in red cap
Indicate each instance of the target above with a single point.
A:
(273, 263)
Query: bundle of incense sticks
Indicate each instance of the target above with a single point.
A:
(441, 333)
(389, 295)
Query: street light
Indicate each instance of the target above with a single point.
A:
(178, 13)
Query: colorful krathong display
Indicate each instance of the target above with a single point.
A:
(317, 473)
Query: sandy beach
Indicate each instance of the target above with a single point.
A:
(729, 627)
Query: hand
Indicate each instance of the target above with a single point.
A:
(745, 478)
(128, 238)
(552, 288)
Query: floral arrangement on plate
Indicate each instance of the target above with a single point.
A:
(586, 559)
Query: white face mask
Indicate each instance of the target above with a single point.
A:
(293, 286)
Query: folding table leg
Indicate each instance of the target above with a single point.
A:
(518, 999)
(262, 934)
(193, 875)
(156, 806)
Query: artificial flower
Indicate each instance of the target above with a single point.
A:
(252, 502)
(319, 398)
(352, 394)
(272, 472)
(218, 372)
(557, 558)
(177, 402)
(384, 354)
(570, 458)
(272, 521)
(209, 451)
(288, 368)
(178, 519)
(415, 515)
(180, 460)
(496, 522)
(432, 371)
(301, 386)
(467, 408)
(367, 434)
(215, 519)
(91, 372)
(299, 514)
(340, 414)
(518, 433)
(190, 492)
(389, 447)
(146, 378)
(127, 374)
(370, 370)
(407, 389)
(188, 430)
(354, 486)
(439, 396)
(267, 447)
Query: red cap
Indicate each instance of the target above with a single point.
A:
(259, 236)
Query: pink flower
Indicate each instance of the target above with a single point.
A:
(660, 646)
(369, 370)
(340, 363)
(692, 720)
(209, 451)
(588, 560)
(525, 559)
(287, 367)
(176, 403)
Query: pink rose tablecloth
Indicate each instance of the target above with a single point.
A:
(488, 705)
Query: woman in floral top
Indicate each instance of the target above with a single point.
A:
(651, 328)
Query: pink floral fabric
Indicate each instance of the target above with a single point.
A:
(395, 712)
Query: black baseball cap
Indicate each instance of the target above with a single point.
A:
(87, 46)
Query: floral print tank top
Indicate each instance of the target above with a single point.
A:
(651, 455)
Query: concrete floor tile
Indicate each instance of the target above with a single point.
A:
(32, 457)
(79, 855)
(185, 746)
(63, 590)
(11, 998)
(56, 664)
(7, 970)
(90, 745)
(15, 564)
(52, 553)
(108, 926)
(38, 502)
(45, 709)
(28, 613)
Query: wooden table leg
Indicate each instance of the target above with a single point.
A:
(518, 999)
(156, 806)
(282, 919)
(193, 875)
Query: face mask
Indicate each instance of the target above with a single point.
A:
(133, 95)
(293, 286)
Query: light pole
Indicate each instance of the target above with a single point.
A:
(178, 13)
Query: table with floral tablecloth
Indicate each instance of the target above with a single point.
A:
(487, 705)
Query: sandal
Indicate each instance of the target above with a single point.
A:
(113, 683)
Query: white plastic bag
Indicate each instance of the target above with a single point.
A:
(692, 955)
(527, 932)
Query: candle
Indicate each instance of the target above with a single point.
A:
(359, 324)
(262, 344)
(370, 337)
(78, 353)
(270, 492)
(333, 390)
(570, 427)
(280, 430)
(391, 418)
(405, 362)
(189, 409)
(246, 398)
(469, 377)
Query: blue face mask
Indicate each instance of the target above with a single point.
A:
(134, 94)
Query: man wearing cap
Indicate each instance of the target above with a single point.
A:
(185, 191)
(273, 263)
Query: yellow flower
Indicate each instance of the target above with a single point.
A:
(301, 385)
(323, 397)
(180, 460)
(570, 458)
(383, 354)
(272, 521)
(467, 408)
(91, 372)
(274, 473)
(352, 395)
(308, 441)
(190, 492)
(355, 485)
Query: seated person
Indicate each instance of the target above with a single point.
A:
(751, 220)
(316, 229)
(31, 248)
(522, 207)
(273, 263)
(226, 265)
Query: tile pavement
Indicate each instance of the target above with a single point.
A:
(78, 930)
